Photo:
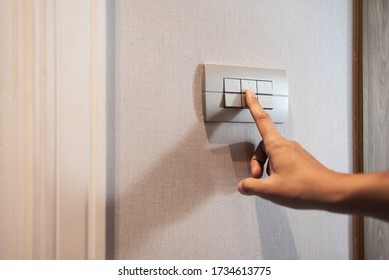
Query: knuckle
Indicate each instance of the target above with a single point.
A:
(274, 142)
(294, 144)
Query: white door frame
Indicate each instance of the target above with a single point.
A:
(53, 129)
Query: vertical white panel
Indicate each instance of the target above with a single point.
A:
(52, 129)
(17, 129)
(80, 128)
(72, 177)
(97, 131)
(5, 129)
(44, 130)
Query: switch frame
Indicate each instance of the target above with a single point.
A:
(214, 105)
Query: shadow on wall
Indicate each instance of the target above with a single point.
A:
(181, 181)
(277, 242)
(178, 184)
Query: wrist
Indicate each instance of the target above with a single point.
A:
(341, 192)
(364, 194)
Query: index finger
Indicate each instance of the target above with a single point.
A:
(263, 120)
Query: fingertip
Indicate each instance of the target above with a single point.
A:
(240, 188)
(247, 186)
(250, 97)
(253, 186)
(251, 92)
(256, 169)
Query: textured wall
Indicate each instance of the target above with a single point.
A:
(175, 176)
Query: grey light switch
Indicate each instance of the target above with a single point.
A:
(225, 87)
(266, 101)
(233, 100)
(249, 84)
(232, 85)
(265, 86)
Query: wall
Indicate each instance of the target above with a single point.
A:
(376, 114)
(175, 176)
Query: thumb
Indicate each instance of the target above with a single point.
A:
(252, 186)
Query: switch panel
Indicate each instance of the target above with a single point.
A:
(224, 98)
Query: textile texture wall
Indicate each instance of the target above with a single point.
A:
(174, 175)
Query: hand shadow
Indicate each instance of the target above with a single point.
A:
(174, 186)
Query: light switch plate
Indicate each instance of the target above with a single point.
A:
(272, 83)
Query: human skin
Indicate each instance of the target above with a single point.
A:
(298, 180)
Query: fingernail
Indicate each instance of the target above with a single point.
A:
(252, 94)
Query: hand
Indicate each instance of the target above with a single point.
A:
(296, 178)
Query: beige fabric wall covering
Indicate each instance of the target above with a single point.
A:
(174, 175)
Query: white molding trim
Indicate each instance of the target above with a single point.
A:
(53, 143)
